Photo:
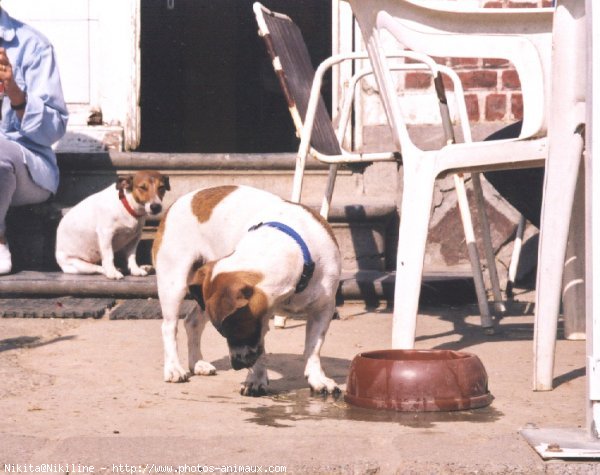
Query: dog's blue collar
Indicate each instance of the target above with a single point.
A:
(309, 265)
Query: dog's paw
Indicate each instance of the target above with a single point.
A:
(138, 272)
(148, 269)
(256, 383)
(253, 390)
(321, 384)
(176, 374)
(324, 393)
(141, 271)
(113, 274)
(204, 368)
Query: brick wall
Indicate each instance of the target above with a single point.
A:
(493, 98)
(492, 90)
(492, 87)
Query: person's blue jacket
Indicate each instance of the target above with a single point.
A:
(45, 118)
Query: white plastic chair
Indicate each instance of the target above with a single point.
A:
(318, 139)
(515, 257)
(553, 112)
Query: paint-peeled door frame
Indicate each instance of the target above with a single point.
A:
(120, 71)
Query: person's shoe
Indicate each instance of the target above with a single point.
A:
(5, 259)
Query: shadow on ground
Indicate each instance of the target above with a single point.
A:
(289, 369)
(29, 342)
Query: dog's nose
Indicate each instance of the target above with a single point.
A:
(237, 363)
(155, 208)
(245, 358)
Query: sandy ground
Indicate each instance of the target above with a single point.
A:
(85, 393)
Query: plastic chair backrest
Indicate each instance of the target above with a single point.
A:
(295, 71)
(520, 35)
(569, 65)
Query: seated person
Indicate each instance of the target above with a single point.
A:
(33, 117)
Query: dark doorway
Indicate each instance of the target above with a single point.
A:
(207, 84)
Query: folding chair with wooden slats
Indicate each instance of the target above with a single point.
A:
(301, 86)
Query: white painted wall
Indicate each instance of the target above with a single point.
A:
(97, 48)
(72, 27)
(97, 44)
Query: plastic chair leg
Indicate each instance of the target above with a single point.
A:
(465, 214)
(559, 190)
(490, 257)
(326, 204)
(279, 321)
(417, 198)
(514, 259)
(298, 177)
(573, 294)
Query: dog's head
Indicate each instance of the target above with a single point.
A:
(147, 187)
(236, 307)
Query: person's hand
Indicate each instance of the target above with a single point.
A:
(11, 88)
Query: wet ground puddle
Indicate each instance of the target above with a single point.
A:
(300, 405)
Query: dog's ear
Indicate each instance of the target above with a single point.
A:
(233, 298)
(241, 294)
(196, 283)
(166, 183)
(125, 182)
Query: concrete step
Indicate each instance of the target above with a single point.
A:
(84, 174)
(365, 233)
(381, 183)
(373, 287)
(363, 215)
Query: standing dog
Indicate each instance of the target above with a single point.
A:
(244, 255)
(107, 222)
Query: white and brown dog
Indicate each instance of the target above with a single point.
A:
(245, 254)
(109, 222)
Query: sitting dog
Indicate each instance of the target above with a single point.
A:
(245, 254)
(108, 222)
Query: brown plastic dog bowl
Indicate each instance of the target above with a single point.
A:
(417, 380)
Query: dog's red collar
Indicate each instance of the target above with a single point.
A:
(127, 206)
